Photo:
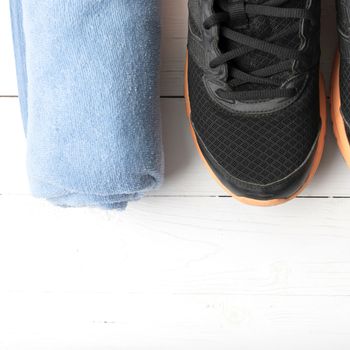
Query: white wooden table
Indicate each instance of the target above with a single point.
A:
(185, 268)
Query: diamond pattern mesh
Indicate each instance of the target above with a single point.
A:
(257, 148)
(345, 89)
(194, 26)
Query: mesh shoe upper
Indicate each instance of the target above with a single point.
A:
(345, 92)
(259, 148)
(256, 148)
(343, 13)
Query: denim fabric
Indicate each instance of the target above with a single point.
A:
(88, 73)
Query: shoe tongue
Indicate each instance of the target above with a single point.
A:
(262, 27)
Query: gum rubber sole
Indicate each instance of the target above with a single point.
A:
(315, 164)
(337, 118)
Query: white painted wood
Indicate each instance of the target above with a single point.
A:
(177, 246)
(76, 321)
(183, 269)
(174, 23)
(13, 178)
(8, 84)
(185, 173)
(163, 275)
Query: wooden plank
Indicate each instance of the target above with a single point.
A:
(183, 268)
(13, 178)
(185, 174)
(182, 246)
(174, 21)
(157, 321)
(8, 84)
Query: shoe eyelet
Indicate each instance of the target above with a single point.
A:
(205, 26)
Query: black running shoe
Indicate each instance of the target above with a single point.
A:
(254, 97)
(340, 97)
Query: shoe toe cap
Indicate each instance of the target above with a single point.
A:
(283, 188)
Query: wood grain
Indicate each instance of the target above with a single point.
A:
(177, 273)
(185, 268)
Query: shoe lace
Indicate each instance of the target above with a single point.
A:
(229, 17)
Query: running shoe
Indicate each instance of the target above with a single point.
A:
(254, 96)
(340, 95)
